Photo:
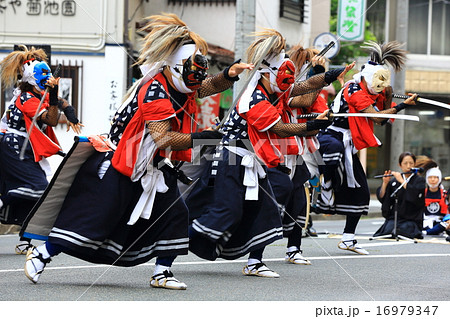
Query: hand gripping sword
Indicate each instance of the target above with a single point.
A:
(38, 110)
(423, 100)
(367, 115)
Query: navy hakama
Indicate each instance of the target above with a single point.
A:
(348, 200)
(226, 225)
(92, 223)
(22, 182)
(291, 196)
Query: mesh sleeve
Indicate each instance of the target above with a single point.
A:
(214, 84)
(305, 100)
(310, 85)
(164, 138)
(371, 109)
(291, 129)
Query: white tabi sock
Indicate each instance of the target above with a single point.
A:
(43, 250)
(292, 249)
(253, 261)
(159, 269)
(1, 203)
(347, 236)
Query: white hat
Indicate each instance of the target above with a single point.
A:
(435, 171)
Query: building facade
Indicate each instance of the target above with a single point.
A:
(98, 41)
(427, 24)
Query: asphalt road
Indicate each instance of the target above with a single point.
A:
(394, 271)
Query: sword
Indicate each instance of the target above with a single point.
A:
(423, 100)
(308, 206)
(330, 45)
(320, 54)
(247, 81)
(368, 115)
(33, 122)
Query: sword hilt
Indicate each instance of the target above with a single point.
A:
(307, 116)
(57, 70)
(315, 115)
(55, 74)
(404, 97)
(400, 96)
(326, 49)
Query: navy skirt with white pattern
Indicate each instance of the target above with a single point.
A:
(226, 225)
(348, 200)
(22, 182)
(92, 223)
(291, 196)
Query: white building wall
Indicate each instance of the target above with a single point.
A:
(216, 22)
(94, 38)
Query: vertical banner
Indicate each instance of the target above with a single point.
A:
(209, 110)
(351, 20)
(115, 86)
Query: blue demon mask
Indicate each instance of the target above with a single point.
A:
(42, 73)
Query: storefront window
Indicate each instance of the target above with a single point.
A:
(421, 21)
(418, 26)
(431, 135)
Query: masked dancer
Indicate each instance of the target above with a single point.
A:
(344, 188)
(289, 189)
(23, 181)
(131, 207)
(233, 209)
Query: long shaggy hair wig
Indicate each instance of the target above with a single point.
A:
(11, 66)
(165, 34)
(257, 48)
(390, 53)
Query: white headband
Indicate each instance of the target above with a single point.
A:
(275, 61)
(177, 58)
(28, 73)
(435, 171)
(181, 54)
(368, 72)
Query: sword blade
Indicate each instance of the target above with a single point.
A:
(378, 115)
(424, 100)
(367, 115)
(432, 102)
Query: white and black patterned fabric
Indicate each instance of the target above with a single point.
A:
(229, 226)
(291, 196)
(347, 200)
(97, 231)
(154, 92)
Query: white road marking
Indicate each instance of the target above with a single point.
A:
(205, 262)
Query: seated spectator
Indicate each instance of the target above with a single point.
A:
(410, 200)
(440, 227)
(435, 206)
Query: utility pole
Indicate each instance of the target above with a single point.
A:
(245, 25)
(398, 127)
